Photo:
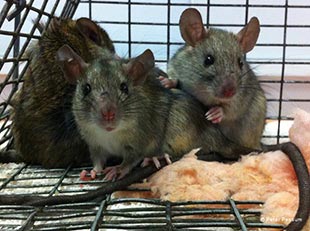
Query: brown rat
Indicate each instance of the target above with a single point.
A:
(212, 68)
(43, 127)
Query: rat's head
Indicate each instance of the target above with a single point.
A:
(107, 88)
(216, 57)
(81, 35)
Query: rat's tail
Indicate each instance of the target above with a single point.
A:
(302, 173)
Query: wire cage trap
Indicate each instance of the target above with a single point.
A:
(282, 64)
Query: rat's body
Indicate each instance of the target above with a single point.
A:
(43, 126)
(188, 129)
(119, 108)
(211, 67)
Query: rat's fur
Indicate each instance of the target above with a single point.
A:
(140, 112)
(180, 135)
(148, 120)
(244, 112)
(43, 127)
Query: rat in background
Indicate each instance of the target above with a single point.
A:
(212, 68)
(43, 127)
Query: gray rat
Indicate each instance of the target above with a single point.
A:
(43, 127)
(212, 68)
(117, 107)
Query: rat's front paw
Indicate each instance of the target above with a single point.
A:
(168, 83)
(215, 114)
(86, 176)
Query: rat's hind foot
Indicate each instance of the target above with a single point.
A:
(115, 172)
(215, 114)
(147, 161)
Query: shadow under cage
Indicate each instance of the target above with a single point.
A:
(281, 61)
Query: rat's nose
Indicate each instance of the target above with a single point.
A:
(108, 114)
(228, 88)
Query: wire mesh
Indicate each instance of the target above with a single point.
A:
(19, 22)
(112, 213)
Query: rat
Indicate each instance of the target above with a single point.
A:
(116, 111)
(148, 121)
(43, 127)
(211, 67)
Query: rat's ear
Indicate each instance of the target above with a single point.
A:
(248, 36)
(71, 64)
(90, 29)
(138, 68)
(191, 27)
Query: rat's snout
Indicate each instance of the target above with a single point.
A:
(228, 88)
(108, 114)
(108, 109)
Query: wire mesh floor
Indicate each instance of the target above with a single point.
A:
(110, 212)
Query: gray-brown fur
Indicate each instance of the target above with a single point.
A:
(149, 121)
(43, 126)
(244, 113)
(141, 110)
(185, 133)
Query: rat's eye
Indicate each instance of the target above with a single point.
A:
(240, 63)
(86, 89)
(209, 60)
(124, 88)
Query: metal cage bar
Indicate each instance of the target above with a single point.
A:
(109, 212)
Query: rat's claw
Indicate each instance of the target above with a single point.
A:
(110, 173)
(146, 161)
(167, 158)
(168, 83)
(122, 171)
(115, 172)
(215, 114)
(83, 175)
(156, 162)
(93, 174)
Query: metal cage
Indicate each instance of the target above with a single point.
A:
(18, 27)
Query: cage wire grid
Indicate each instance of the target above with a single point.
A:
(109, 213)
